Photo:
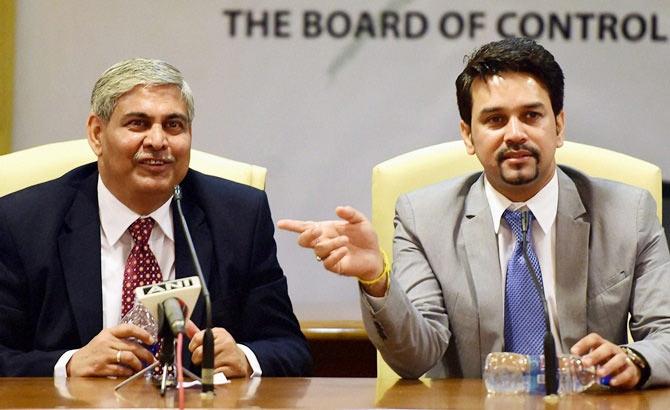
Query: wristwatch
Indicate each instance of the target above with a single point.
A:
(638, 360)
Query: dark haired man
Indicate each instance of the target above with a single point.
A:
(460, 288)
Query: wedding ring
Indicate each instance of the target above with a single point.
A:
(318, 258)
(118, 356)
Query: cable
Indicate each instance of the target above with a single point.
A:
(180, 370)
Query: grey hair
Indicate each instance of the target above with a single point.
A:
(126, 75)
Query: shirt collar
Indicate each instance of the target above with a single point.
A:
(543, 205)
(115, 217)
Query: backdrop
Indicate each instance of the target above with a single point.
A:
(319, 92)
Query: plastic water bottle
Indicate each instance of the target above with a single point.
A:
(517, 373)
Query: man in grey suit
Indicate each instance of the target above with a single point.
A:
(598, 245)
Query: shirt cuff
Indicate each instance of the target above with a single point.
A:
(253, 361)
(60, 369)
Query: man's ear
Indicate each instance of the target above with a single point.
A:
(466, 134)
(94, 130)
(560, 129)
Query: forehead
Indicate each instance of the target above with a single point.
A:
(508, 90)
(151, 100)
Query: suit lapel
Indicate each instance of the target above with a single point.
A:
(79, 249)
(482, 254)
(195, 218)
(572, 244)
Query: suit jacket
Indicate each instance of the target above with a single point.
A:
(50, 283)
(444, 310)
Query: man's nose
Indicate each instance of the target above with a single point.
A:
(156, 138)
(515, 132)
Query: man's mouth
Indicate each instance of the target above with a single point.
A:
(156, 164)
(152, 161)
(517, 154)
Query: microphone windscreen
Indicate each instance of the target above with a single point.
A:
(174, 314)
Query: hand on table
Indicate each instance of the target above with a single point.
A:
(228, 357)
(610, 360)
(110, 353)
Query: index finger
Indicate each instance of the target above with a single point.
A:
(139, 351)
(293, 225)
(196, 340)
(125, 330)
(191, 329)
(586, 344)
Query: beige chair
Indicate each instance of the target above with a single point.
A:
(27, 167)
(429, 165)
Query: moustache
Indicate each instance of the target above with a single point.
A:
(505, 152)
(144, 157)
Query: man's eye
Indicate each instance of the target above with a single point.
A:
(533, 115)
(174, 125)
(495, 120)
(136, 123)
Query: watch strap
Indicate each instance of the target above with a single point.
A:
(638, 360)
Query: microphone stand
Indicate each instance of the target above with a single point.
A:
(550, 359)
(136, 375)
(165, 355)
(208, 339)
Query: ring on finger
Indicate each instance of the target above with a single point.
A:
(318, 258)
(118, 356)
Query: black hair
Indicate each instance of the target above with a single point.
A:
(513, 55)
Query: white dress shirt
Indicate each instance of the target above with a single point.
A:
(115, 246)
(544, 206)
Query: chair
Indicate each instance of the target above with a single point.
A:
(413, 170)
(340, 348)
(31, 166)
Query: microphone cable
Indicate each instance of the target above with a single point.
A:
(180, 370)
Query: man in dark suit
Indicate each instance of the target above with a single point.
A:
(71, 250)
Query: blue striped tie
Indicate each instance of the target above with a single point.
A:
(524, 313)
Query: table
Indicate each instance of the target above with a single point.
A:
(316, 393)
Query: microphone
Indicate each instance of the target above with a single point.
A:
(173, 315)
(550, 359)
(170, 323)
(207, 366)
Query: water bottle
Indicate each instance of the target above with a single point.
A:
(517, 373)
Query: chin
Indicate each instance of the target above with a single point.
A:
(155, 188)
(519, 178)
